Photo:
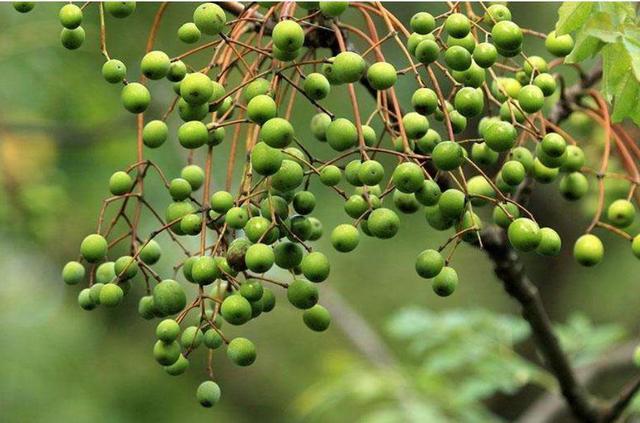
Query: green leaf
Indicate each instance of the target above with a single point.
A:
(572, 15)
(584, 342)
(585, 48)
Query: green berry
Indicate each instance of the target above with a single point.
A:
(135, 97)
(383, 223)
(428, 194)
(221, 201)
(573, 186)
(265, 160)
(315, 267)
(150, 252)
(341, 134)
(507, 35)
(469, 101)
(349, 67)
(209, 18)
(85, 301)
(316, 86)
(288, 35)
(457, 25)
(382, 75)
(166, 353)
(302, 294)
(259, 258)
(447, 155)
(189, 33)
(304, 202)
(550, 242)
(287, 255)
(317, 318)
(513, 172)
(72, 38)
(180, 189)
(196, 88)
(155, 133)
(524, 234)
(485, 55)
(424, 101)
(179, 367)
(73, 273)
(125, 267)
(94, 248)
(588, 250)
(319, 124)
(546, 83)
(496, 13)
(553, 144)
(193, 134)
(120, 9)
(429, 264)
(330, 175)
(457, 58)
(236, 310)
(204, 270)
(25, 6)
(635, 246)
(371, 172)
(236, 217)
(500, 216)
(146, 308)
(241, 351)
(524, 156)
(500, 136)
(191, 337)
(106, 272)
(111, 295)
(345, 238)
(621, 213)
(559, 46)
(452, 203)
(288, 177)
(408, 177)
(169, 297)
(155, 64)
(415, 125)
(212, 339)
(333, 8)
(120, 183)
(445, 283)
(261, 108)
(114, 71)
(542, 173)
(481, 154)
(208, 394)
(194, 175)
(531, 98)
(422, 23)
(277, 132)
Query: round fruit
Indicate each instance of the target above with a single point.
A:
(550, 242)
(315, 267)
(155, 64)
(241, 351)
(72, 38)
(447, 155)
(189, 33)
(452, 203)
(457, 25)
(302, 294)
(288, 177)
(341, 134)
(553, 145)
(381, 75)
(179, 367)
(277, 132)
(469, 101)
(236, 310)
(316, 86)
(155, 133)
(208, 393)
(111, 295)
(93, 248)
(120, 9)
(500, 136)
(507, 35)
(524, 234)
(73, 273)
(125, 267)
(427, 51)
(424, 101)
(120, 183)
(349, 67)
(194, 175)
(114, 71)
(209, 18)
(135, 97)
(429, 263)
(167, 330)
(317, 318)
(513, 172)
(445, 283)
(588, 250)
(485, 55)
(169, 297)
(408, 177)
(333, 8)
(204, 270)
(166, 353)
(288, 35)
(621, 213)
(560, 45)
(196, 88)
(457, 58)
(496, 13)
(531, 98)
(261, 108)
(259, 258)
(383, 223)
(422, 23)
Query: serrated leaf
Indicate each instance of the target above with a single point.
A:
(572, 15)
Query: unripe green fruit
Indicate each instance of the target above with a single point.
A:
(135, 97)
(209, 18)
(179, 189)
(261, 108)
(155, 133)
(470, 223)
(236, 310)
(315, 267)
(94, 291)
(429, 264)
(120, 9)
(524, 156)
(496, 13)
(381, 75)
(457, 25)
(302, 294)
(205, 270)
(191, 337)
(542, 173)
(317, 318)
(166, 353)
(457, 58)
(236, 217)
(447, 155)
(277, 132)
(531, 98)
(196, 88)
(288, 177)
(73, 273)
(524, 234)
(189, 33)
(424, 101)
(316, 86)
(588, 250)
(546, 83)
(446, 282)
(559, 46)
(333, 8)
(422, 23)
(330, 175)
(436, 219)
(274, 205)
(510, 111)
(256, 87)
(169, 297)
(175, 212)
(304, 202)
(383, 223)
(212, 339)
(288, 35)
(550, 242)
(221, 201)
(146, 308)
(371, 172)
(194, 175)
(478, 189)
(345, 238)
(93, 248)
(25, 6)
(319, 124)
(573, 186)
(415, 125)
(259, 258)
(167, 331)
(469, 101)
(125, 267)
(257, 227)
(468, 42)
(500, 136)
(348, 67)
(288, 255)
(357, 205)
(208, 393)
(299, 228)
(428, 142)
(405, 203)
(485, 55)
(106, 272)
(501, 218)
(452, 203)
(408, 177)
(507, 35)
(341, 134)
(114, 71)
(535, 64)
(481, 154)
(155, 64)
(120, 183)
(474, 77)
(189, 112)
(241, 351)
(635, 246)
(621, 213)
(284, 55)
(179, 367)
(252, 290)
(111, 295)
(553, 144)
(428, 194)
(513, 172)
(85, 301)
(193, 134)
(72, 38)
(265, 160)
(216, 136)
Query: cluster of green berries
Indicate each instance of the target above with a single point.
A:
(268, 224)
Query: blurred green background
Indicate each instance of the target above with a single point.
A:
(63, 132)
